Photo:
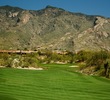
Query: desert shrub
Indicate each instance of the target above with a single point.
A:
(94, 61)
(28, 60)
(82, 56)
(97, 59)
(101, 72)
(16, 60)
(82, 65)
(49, 57)
(5, 60)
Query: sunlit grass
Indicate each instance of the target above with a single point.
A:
(56, 82)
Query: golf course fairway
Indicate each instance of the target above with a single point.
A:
(56, 82)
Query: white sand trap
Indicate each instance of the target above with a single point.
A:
(2, 66)
(30, 68)
(74, 66)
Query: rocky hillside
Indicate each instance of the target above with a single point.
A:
(52, 28)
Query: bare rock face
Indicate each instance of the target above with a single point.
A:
(100, 23)
(52, 28)
(13, 14)
(94, 38)
(25, 16)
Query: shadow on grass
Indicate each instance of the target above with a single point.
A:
(2, 80)
(5, 97)
(102, 79)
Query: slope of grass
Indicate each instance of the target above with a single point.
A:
(57, 82)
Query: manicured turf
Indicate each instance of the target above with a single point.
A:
(57, 82)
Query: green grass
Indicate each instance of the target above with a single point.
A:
(57, 82)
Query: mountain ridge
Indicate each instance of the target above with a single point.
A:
(52, 28)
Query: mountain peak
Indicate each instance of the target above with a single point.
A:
(8, 7)
(52, 7)
(49, 6)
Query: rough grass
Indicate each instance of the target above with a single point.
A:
(57, 82)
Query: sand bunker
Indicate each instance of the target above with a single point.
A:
(74, 66)
(30, 68)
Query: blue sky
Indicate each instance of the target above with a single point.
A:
(90, 7)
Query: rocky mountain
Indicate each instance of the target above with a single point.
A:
(52, 28)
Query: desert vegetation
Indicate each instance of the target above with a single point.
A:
(89, 62)
(97, 63)
(14, 60)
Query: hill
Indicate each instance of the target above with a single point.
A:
(52, 28)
